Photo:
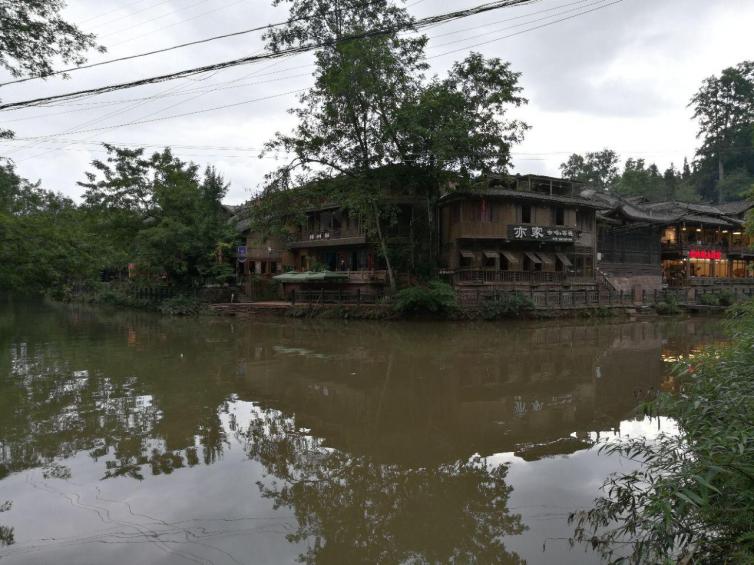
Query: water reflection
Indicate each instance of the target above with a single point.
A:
(353, 509)
(378, 437)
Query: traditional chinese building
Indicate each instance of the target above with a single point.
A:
(518, 231)
(653, 244)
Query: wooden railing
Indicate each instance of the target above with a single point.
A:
(595, 298)
(495, 276)
(335, 297)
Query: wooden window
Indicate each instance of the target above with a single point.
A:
(525, 214)
(485, 211)
(455, 213)
(558, 215)
(584, 220)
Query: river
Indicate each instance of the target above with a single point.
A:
(132, 438)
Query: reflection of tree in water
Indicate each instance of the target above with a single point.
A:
(6, 533)
(353, 509)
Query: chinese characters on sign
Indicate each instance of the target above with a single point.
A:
(705, 254)
(542, 233)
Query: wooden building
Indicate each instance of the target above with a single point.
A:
(705, 244)
(514, 231)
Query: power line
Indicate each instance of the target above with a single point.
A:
(424, 22)
(520, 32)
(166, 49)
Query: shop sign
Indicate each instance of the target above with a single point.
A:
(705, 254)
(541, 233)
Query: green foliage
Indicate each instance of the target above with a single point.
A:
(726, 298)
(180, 305)
(598, 169)
(736, 185)
(43, 238)
(159, 214)
(375, 121)
(668, 306)
(709, 299)
(436, 298)
(724, 108)
(693, 498)
(508, 305)
(35, 37)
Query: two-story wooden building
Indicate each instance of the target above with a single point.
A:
(518, 231)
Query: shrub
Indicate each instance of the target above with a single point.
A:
(668, 307)
(509, 305)
(180, 305)
(709, 299)
(436, 298)
(727, 298)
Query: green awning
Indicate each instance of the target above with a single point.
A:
(310, 276)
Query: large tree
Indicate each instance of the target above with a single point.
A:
(33, 36)
(159, 213)
(598, 169)
(373, 119)
(724, 108)
(43, 241)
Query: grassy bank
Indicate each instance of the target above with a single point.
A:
(692, 501)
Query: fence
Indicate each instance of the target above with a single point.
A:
(588, 298)
(335, 297)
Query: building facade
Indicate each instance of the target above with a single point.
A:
(522, 230)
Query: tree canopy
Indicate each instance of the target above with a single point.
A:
(375, 119)
(724, 108)
(34, 36)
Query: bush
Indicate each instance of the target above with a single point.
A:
(509, 305)
(692, 501)
(709, 299)
(180, 305)
(727, 298)
(434, 299)
(668, 307)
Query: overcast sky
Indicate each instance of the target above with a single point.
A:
(615, 75)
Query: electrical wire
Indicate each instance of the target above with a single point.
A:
(449, 16)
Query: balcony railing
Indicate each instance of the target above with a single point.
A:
(494, 276)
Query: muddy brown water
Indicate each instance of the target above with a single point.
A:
(131, 438)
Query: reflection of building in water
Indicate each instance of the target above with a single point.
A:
(404, 391)
(460, 392)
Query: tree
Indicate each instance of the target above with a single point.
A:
(34, 35)
(639, 180)
(160, 214)
(598, 169)
(373, 120)
(43, 241)
(724, 108)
